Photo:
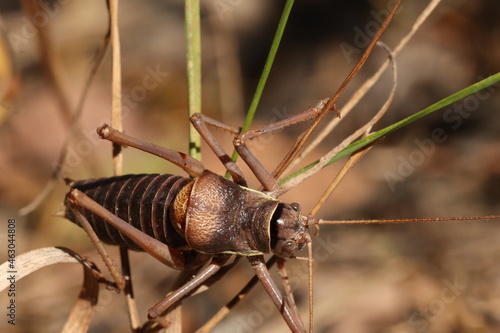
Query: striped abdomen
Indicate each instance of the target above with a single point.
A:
(141, 200)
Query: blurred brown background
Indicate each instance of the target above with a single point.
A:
(433, 277)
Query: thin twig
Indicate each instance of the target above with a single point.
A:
(366, 86)
(33, 8)
(353, 159)
(330, 105)
(74, 130)
(364, 130)
(116, 121)
(116, 87)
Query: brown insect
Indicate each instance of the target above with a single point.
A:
(185, 222)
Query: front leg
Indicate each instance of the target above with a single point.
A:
(215, 265)
(261, 271)
(201, 123)
(191, 165)
(240, 143)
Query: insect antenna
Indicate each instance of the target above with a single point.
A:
(415, 220)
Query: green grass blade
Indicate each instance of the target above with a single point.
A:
(193, 59)
(361, 143)
(267, 68)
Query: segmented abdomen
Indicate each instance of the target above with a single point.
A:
(140, 200)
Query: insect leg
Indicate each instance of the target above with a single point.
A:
(290, 316)
(167, 319)
(200, 122)
(191, 165)
(163, 253)
(82, 220)
(265, 177)
(212, 268)
(288, 288)
(207, 327)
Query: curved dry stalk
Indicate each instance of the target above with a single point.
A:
(354, 158)
(330, 105)
(83, 310)
(365, 87)
(363, 130)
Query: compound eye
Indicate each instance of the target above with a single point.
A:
(285, 248)
(295, 206)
